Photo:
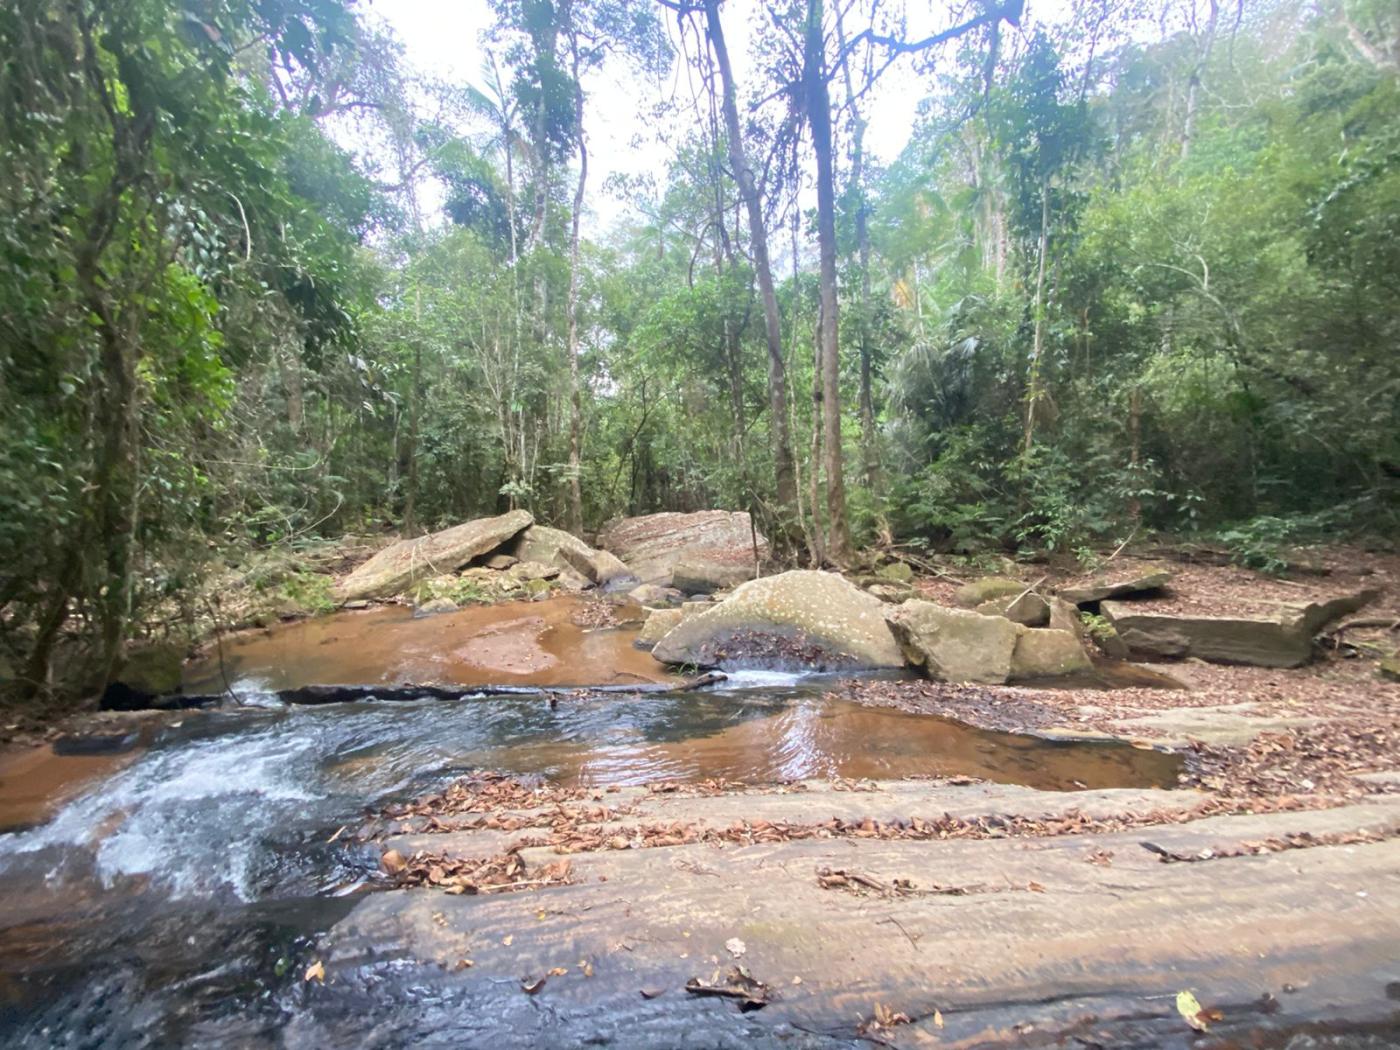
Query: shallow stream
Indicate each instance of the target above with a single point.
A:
(173, 897)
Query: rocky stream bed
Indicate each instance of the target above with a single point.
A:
(910, 809)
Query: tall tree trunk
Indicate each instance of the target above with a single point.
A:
(415, 396)
(1038, 342)
(818, 107)
(1193, 86)
(816, 539)
(870, 452)
(575, 395)
(784, 473)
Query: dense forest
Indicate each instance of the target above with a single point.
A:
(1137, 271)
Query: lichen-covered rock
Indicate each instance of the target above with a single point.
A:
(652, 545)
(600, 567)
(542, 544)
(399, 565)
(713, 569)
(650, 594)
(1047, 654)
(807, 618)
(895, 572)
(955, 645)
(435, 606)
(1029, 609)
(660, 622)
(1109, 585)
(532, 570)
(973, 594)
(890, 592)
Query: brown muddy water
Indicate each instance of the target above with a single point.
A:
(513, 643)
(174, 894)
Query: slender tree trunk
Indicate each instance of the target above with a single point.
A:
(1037, 345)
(818, 106)
(1193, 86)
(817, 538)
(784, 474)
(415, 395)
(870, 452)
(575, 395)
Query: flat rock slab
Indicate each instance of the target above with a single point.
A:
(1073, 939)
(1119, 586)
(1229, 725)
(1284, 640)
(652, 545)
(816, 620)
(399, 565)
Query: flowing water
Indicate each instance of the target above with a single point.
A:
(168, 899)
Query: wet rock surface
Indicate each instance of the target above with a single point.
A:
(934, 930)
(810, 619)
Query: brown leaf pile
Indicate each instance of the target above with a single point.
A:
(504, 872)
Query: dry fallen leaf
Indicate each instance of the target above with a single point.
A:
(530, 987)
(464, 964)
(938, 1018)
(558, 971)
(1190, 1008)
(315, 972)
(392, 862)
(735, 947)
(651, 992)
(587, 967)
(508, 939)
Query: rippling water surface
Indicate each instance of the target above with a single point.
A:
(179, 888)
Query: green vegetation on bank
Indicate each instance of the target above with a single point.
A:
(262, 283)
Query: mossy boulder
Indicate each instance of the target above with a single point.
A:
(1047, 654)
(1027, 608)
(895, 572)
(395, 568)
(955, 645)
(973, 594)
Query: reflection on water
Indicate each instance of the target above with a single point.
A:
(176, 889)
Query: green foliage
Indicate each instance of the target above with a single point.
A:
(309, 591)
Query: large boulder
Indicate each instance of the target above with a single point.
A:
(1282, 640)
(955, 645)
(817, 620)
(959, 645)
(600, 567)
(399, 565)
(1117, 585)
(660, 622)
(1047, 654)
(653, 544)
(542, 544)
(713, 569)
